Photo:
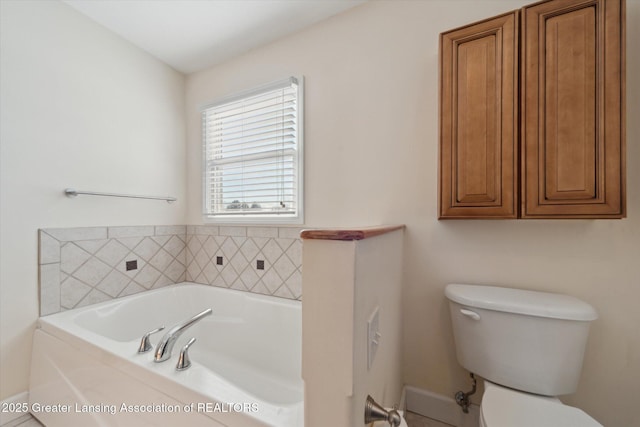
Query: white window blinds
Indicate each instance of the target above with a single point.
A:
(253, 154)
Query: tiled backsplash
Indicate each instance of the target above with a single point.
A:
(82, 266)
(240, 249)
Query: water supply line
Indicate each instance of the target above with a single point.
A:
(462, 398)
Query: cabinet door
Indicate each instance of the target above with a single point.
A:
(573, 109)
(478, 120)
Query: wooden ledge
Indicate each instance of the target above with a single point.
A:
(348, 234)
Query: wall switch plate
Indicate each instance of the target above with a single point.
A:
(373, 336)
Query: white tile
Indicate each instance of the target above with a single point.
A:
(239, 240)
(272, 251)
(294, 283)
(260, 288)
(207, 230)
(233, 231)
(72, 291)
(284, 267)
(91, 246)
(81, 233)
(210, 246)
(132, 288)
(49, 289)
(415, 420)
(146, 249)
(210, 272)
(239, 286)
(262, 231)
(94, 297)
(294, 252)
(174, 246)
(202, 258)
(249, 278)
(176, 271)
(161, 260)
(201, 279)
(162, 282)
(289, 232)
(130, 242)
(92, 271)
(162, 230)
(23, 421)
(182, 257)
(229, 248)
(229, 275)
(193, 271)
(122, 265)
(147, 276)
(260, 241)
(219, 282)
(283, 292)
(49, 249)
(72, 257)
(267, 265)
(161, 240)
(194, 245)
(132, 231)
(272, 281)
(114, 283)
(249, 249)
(284, 243)
(239, 262)
(112, 253)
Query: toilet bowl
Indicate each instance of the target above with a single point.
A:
(528, 346)
(505, 407)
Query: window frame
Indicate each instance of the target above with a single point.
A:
(281, 219)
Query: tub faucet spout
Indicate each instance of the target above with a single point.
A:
(165, 346)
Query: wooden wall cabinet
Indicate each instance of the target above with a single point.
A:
(532, 113)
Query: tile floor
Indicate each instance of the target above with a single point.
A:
(413, 420)
(24, 421)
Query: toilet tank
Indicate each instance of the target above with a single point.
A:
(526, 340)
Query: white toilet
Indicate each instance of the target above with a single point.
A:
(528, 346)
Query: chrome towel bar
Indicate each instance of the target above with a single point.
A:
(70, 192)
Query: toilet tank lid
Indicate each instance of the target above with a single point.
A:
(519, 301)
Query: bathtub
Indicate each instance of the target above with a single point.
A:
(246, 362)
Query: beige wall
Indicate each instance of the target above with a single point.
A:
(371, 133)
(345, 283)
(80, 108)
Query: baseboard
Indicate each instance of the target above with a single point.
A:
(10, 408)
(439, 407)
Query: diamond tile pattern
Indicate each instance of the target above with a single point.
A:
(241, 248)
(94, 270)
(88, 269)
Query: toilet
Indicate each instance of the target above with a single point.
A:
(528, 346)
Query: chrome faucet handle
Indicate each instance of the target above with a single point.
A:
(145, 345)
(183, 359)
(374, 412)
(165, 346)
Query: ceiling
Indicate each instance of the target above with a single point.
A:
(191, 35)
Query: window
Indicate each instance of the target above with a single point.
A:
(253, 155)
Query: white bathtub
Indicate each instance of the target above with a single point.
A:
(245, 371)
